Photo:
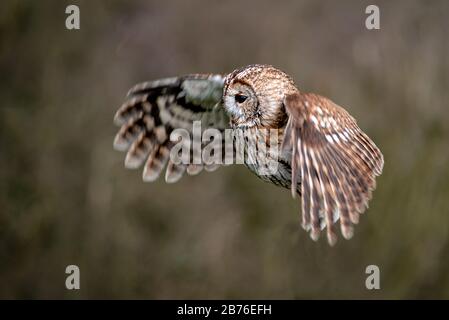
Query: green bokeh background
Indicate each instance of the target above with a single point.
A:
(65, 197)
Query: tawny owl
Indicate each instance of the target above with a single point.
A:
(322, 154)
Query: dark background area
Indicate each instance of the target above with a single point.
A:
(65, 197)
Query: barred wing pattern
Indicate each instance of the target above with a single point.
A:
(154, 109)
(335, 161)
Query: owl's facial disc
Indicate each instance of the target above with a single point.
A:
(241, 102)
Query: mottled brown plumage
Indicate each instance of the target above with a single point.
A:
(319, 151)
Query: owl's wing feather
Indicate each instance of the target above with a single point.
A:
(154, 109)
(336, 162)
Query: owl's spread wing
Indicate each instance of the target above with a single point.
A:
(336, 162)
(154, 109)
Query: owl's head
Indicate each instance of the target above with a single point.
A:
(254, 96)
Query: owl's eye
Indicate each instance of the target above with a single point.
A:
(240, 98)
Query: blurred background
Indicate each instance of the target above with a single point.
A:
(65, 197)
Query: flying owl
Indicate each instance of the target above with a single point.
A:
(321, 153)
